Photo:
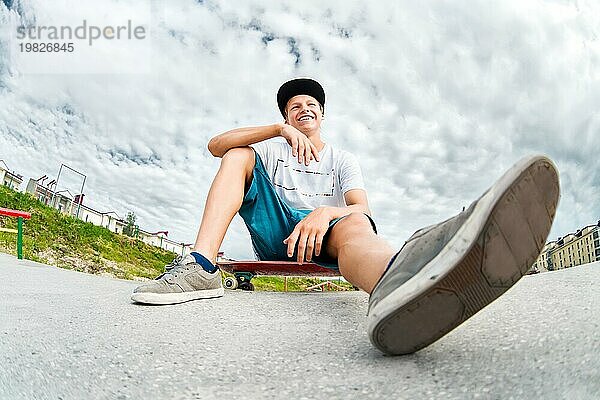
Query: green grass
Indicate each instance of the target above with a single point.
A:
(294, 284)
(57, 239)
(53, 238)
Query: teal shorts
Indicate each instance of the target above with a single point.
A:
(270, 220)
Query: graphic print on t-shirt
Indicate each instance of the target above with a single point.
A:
(299, 179)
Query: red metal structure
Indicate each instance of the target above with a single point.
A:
(20, 215)
(14, 213)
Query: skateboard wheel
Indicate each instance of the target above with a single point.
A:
(230, 283)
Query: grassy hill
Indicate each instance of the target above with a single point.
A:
(53, 238)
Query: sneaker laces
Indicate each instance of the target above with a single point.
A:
(172, 267)
(176, 261)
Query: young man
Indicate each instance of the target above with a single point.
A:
(302, 199)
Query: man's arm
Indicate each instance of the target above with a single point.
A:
(309, 232)
(301, 145)
(356, 201)
(240, 137)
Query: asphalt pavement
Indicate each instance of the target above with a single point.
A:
(70, 335)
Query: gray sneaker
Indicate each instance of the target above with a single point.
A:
(183, 280)
(446, 273)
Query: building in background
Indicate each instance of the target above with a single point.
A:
(41, 191)
(154, 238)
(63, 200)
(160, 239)
(576, 248)
(9, 178)
(70, 204)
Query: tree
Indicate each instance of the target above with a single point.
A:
(130, 227)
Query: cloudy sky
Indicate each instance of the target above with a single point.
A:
(436, 99)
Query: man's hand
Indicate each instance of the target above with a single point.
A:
(301, 145)
(309, 234)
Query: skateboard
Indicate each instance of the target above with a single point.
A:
(244, 271)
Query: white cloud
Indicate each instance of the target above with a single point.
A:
(436, 99)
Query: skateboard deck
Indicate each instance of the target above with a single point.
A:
(244, 271)
(279, 268)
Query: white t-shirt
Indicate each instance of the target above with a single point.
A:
(320, 183)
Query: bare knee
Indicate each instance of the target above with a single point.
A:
(355, 220)
(344, 231)
(239, 157)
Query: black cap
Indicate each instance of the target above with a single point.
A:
(299, 86)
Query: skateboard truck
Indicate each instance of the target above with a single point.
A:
(241, 281)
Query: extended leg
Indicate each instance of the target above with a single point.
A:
(224, 200)
(447, 272)
(362, 255)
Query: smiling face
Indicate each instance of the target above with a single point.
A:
(304, 113)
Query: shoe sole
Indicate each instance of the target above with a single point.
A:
(495, 247)
(175, 298)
